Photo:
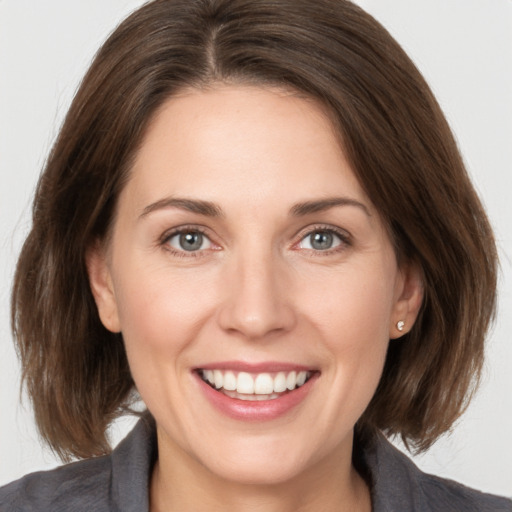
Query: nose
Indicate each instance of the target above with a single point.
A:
(257, 298)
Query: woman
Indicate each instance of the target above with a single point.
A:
(241, 219)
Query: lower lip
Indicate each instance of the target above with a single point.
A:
(263, 410)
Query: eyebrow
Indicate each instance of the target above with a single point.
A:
(321, 205)
(206, 208)
(209, 209)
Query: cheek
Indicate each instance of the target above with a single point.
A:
(160, 319)
(355, 308)
(352, 321)
(159, 311)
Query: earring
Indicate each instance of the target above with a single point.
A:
(400, 325)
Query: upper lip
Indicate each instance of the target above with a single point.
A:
(261, 367)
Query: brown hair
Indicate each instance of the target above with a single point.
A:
(393, 132)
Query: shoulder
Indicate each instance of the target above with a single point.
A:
(118, 481)
(77, 486)
(443, 494)
(398, 484)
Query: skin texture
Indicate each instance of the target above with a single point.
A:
(255, 291)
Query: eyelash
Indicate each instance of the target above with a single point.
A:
(166, 237)
(344, 237)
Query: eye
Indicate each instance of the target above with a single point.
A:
(189, 241)
(321, 240)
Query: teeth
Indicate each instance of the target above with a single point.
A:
(245, 384)
(280, 382)
(208, 375)
(301, 378)
(230, 381)
(291, 380)
(261, 386)
(253, 398)
(264, 384)
(218, 379)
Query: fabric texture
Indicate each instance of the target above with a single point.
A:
(119, 483)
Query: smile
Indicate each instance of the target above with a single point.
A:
(254, 386)
(256, 392)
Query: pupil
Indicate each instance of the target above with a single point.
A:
(191, 241)
(321, 240)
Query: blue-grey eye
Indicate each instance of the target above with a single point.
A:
(321, 240)
(189, 241)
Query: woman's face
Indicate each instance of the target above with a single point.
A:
(245, 253)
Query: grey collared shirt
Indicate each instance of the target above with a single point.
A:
(119, 483)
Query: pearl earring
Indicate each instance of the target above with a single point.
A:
(400, 325)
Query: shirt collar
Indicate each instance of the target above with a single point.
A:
(392, 477)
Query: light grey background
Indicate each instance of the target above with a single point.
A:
(463, 47)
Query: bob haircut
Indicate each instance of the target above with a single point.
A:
(394, 135)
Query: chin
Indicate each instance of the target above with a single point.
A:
(261, 460)
(271, 471)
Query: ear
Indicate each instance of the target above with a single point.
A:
(409, 297)
(102, 287)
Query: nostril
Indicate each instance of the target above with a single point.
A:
(256, 321)
(256, 300)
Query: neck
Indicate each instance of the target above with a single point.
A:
(180, 482)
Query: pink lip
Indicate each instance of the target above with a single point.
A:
(264, 410)
(270, 367)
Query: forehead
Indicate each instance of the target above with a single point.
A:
(241, 142)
